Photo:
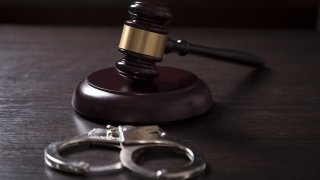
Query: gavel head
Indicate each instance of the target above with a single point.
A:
(143, 41)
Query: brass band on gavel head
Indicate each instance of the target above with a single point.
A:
(142, 41)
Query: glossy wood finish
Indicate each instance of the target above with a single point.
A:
(170, 80)
(148, 17)
(138, 65)
(109, 97)
(265, 125)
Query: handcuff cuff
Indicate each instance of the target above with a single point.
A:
(130, 140)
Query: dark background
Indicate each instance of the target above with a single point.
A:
(300, 14)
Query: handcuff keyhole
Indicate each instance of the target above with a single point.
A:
(157, 158)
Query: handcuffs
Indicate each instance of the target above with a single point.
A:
(130, 140)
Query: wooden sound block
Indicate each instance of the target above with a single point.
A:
(175, 95)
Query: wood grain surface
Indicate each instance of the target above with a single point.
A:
(264, 124)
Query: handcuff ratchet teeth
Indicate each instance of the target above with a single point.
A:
(129, 140)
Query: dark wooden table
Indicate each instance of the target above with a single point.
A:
(264, 124)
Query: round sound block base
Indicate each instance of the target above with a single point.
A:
(175, 95)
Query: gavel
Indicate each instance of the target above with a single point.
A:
(136, 90)
(145, 39)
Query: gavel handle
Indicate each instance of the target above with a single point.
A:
(183, 47)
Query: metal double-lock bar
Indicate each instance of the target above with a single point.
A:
(130, 140)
